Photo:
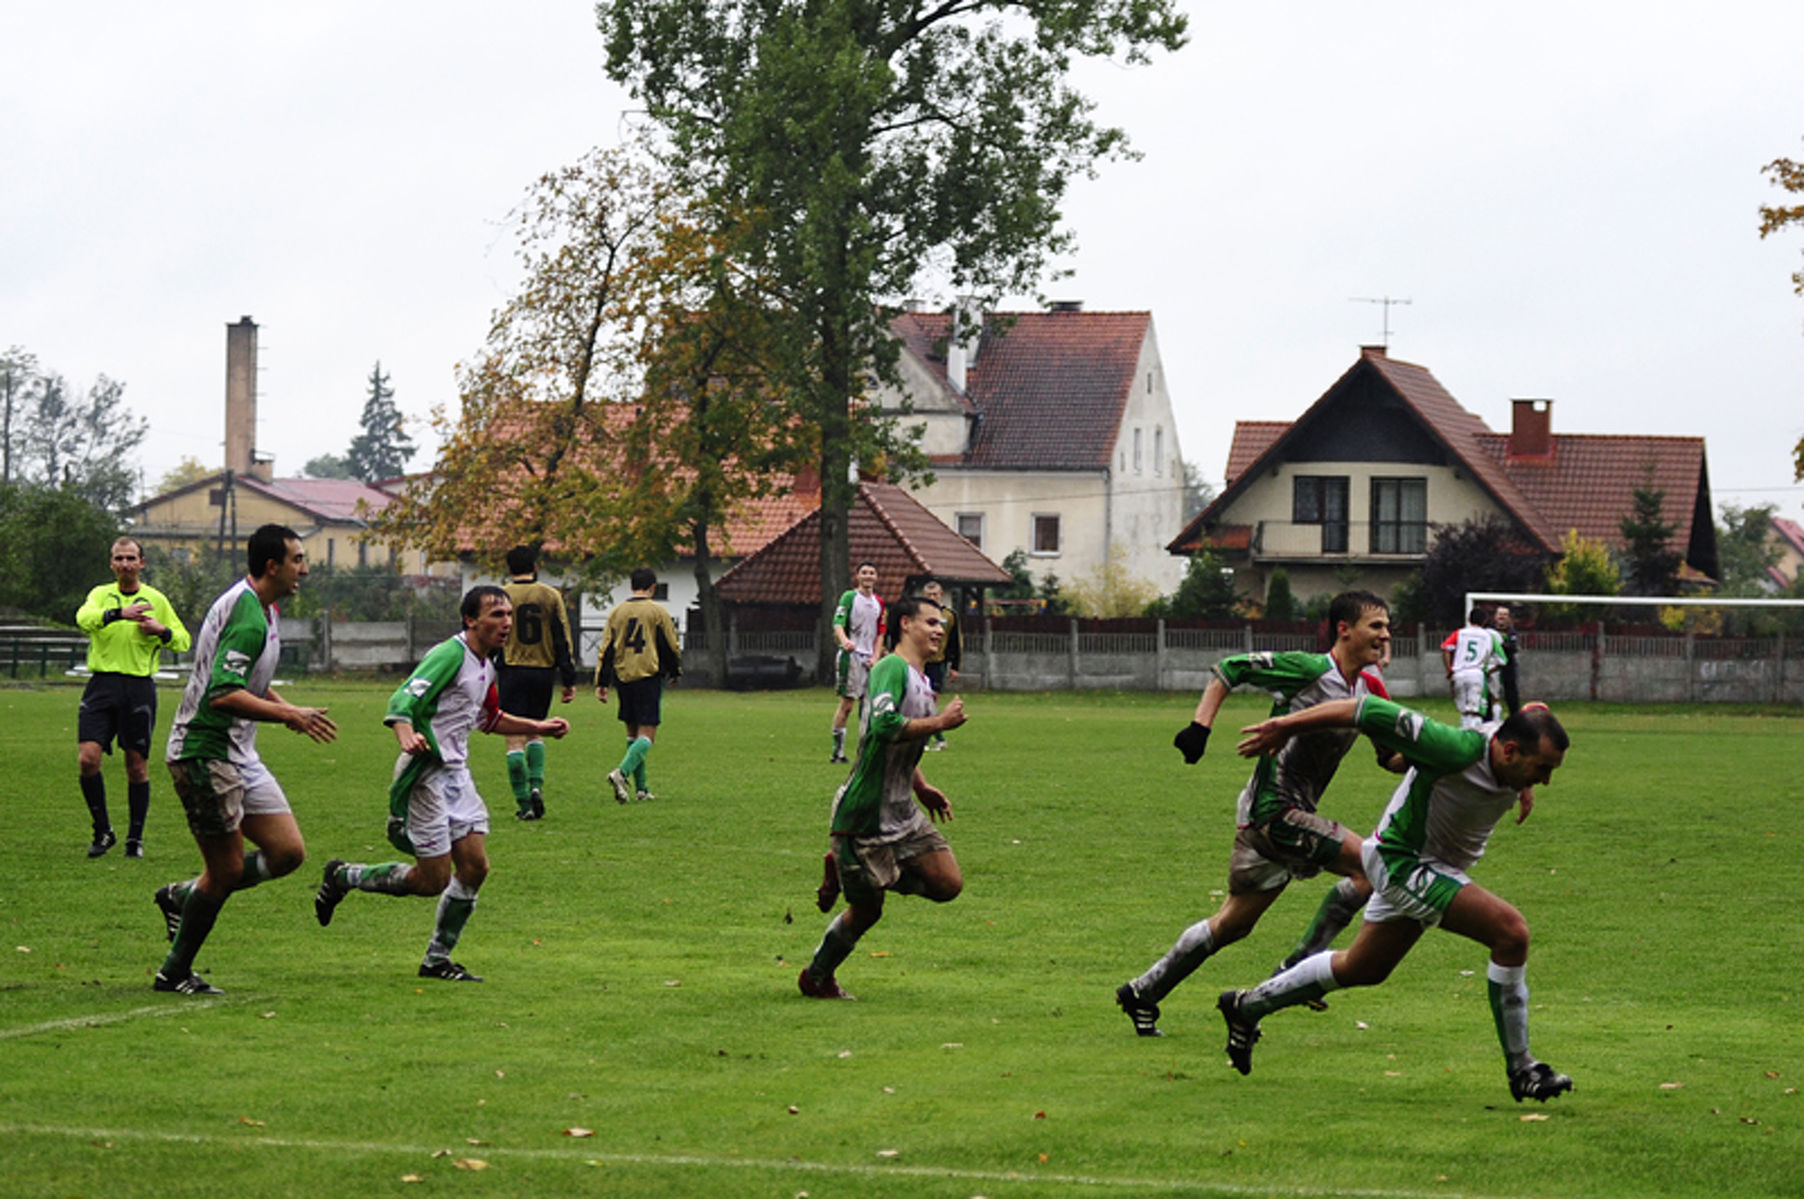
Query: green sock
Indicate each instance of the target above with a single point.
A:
(199, 911)
(384, 878)
(454, 908)
(535, 764)
(635, 755)
(256, 870)
(516, 774)
(639, 776)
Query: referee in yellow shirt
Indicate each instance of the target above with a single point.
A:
(129, 624)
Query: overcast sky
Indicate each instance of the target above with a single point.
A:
(1566, 194)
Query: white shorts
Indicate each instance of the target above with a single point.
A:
(217, 795)
(1473, 699)
(1422, 893)
(443, 809)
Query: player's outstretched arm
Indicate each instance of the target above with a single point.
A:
(1268, 736)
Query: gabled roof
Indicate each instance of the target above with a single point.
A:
(325, 501)
(1587, 482)
(1790, 534)
(1576, 481)
(1049, 388)
(1424, 397)
(887, 526)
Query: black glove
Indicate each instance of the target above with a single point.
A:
(1191, 741)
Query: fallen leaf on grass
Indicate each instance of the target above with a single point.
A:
(474, 1141)
(1039, 1115)
(953, 1045)
(1533, 1118)
(501, 1074)
(269, 1016)
(1671, 1086)
(470, 1163)
(413, 1178)
(251, 1122)
(24, 949)
(880, 953)
(844, 1053)
(1749, 1120)
(673, 982)
(1044, 1158)
(1772, 1074)
(441, 1153)
(579, 1132)
(794, 1110)
(889, 1153)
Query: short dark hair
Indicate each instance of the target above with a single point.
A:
(1476, 616)
(268, 544)
(522, 560)
(127, 537)
(1530, 724)
(1349, 606)
(471, 608)
(909, 606)
(861, 565)
(643, 579)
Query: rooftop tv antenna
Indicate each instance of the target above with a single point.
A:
(1387, 301)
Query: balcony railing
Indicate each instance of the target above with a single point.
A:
(1348, 539)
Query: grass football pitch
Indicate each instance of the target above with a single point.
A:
(640, 1032)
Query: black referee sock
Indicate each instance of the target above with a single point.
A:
(137, 802)
(93, 790)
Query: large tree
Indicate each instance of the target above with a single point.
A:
(875, 143)
(622, 407)
(1785, 173)
(1746, 551)
(382, 449)
(58, 436)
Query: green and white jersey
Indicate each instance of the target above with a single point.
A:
(878, 799)
(861, 616)
(1476, 651)
(1450, 800)
(448, 695)
(1297, 774)
(237, 649)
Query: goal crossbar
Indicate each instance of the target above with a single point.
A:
(1662, 601)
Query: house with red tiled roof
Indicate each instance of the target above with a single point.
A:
(1788, 536)
(1050, 433)
(331, 515)
(1349, 492)
(889, 528)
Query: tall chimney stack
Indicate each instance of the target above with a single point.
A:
(241, 396)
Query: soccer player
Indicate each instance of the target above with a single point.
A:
(129, 624)
(857, 630)
(638, 651)
(1280, 835)
(435, 813)
(943, 663)
(881, 840)
(228, 794)
(537, 649)
(1473, 655)
(1460, 783)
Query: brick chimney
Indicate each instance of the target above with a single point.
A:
(1373, 352)
(1531, 429)
(241, 403)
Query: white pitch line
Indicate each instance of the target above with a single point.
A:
(595, 1157)
(100, 1018)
